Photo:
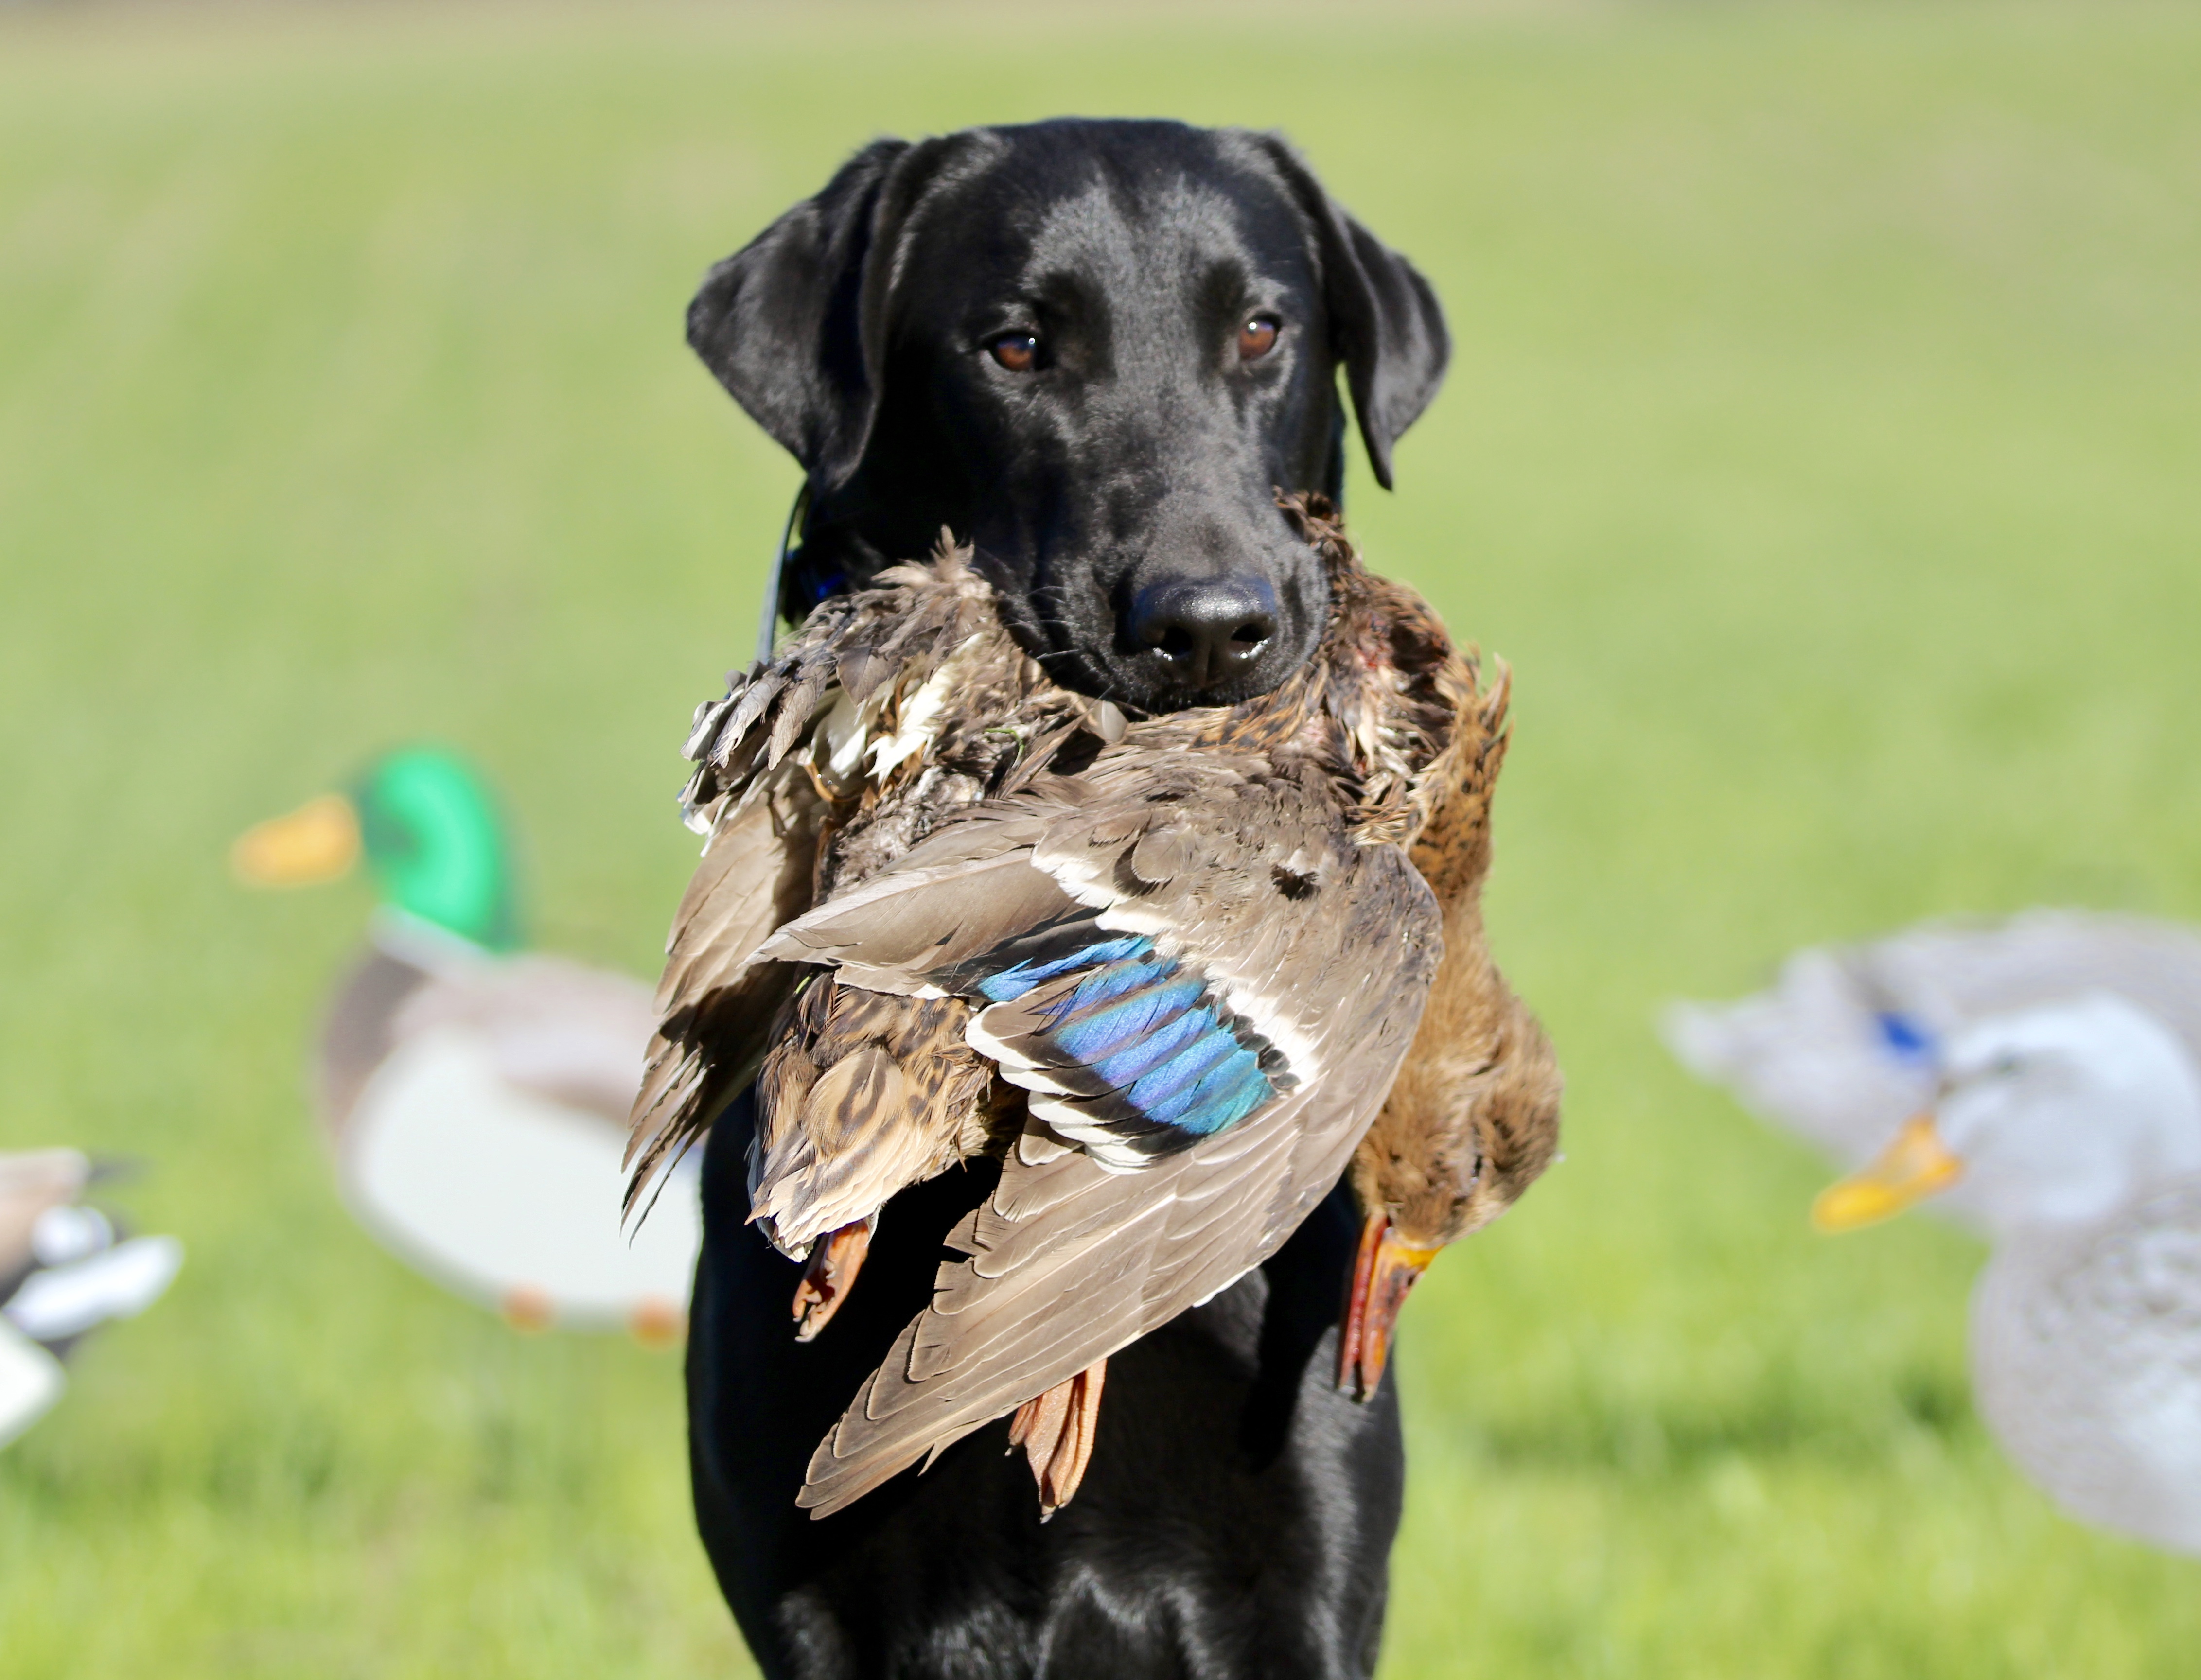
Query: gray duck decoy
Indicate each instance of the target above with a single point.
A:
(2079, 1122)
(1850, 1040)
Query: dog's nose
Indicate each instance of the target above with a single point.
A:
(1210, 630)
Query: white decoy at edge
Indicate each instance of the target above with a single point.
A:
(64, 1269)
(2080, 1124)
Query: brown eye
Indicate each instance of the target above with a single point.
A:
(1257, 337)
(1016, 351)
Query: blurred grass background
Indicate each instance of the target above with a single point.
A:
(1821, 448)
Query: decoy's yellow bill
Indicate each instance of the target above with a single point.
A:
(317, 842)
(1915, 1165)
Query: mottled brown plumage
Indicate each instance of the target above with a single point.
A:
(1473, 1118)
(888, 659)
(935, 885)
(861, 1088)
(785, 828)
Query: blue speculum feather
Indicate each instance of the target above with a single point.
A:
(1227, 1093)
(1090, 1031)
(1174, 1091)
(1110, 982)
(1012, 983)
(1121, 1067)
(1139, 1024)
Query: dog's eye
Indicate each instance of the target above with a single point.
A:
(1257, 337)
(1016, 351)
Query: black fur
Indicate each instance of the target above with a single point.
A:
(1235, 1519)
(1122, 491)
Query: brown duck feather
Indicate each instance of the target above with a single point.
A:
(766, 811)
(861, 1088)
(945, 799)
(1473, 1118)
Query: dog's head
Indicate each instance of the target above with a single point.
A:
(1096, 351)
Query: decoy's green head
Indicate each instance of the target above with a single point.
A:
(428, 828)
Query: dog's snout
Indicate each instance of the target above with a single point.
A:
(1210, 630)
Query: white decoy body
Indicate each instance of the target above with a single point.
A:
(476, 1105)
(2087, 1364)
(2078, 1126)
(473, 1094)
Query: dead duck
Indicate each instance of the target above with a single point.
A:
(65, 1269)
(1237, 1504)
(473, 1094)
(1163, 971)
(1473, 1118)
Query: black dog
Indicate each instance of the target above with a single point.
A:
(1097, 351)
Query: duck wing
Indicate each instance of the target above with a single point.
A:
(715, 1000)
(863, 1093)
(781, 761)
(1205, 986)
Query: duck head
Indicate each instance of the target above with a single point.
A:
(427, 828)
(2053, 1115)
(1469, 1126)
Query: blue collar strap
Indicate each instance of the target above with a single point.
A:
(768, 621)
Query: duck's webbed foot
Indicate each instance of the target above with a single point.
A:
(834, 1260)
(1056, 1431)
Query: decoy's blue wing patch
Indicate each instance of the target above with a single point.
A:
(1126, 1051)
(1905, 1037)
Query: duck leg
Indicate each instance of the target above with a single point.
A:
(834, 1260)
(1056, 1431)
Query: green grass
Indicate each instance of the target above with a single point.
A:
(1821, 448)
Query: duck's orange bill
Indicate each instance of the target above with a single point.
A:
(1384, 1271)
(1912, 1168)
(317, 842)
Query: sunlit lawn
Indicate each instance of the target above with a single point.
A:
(1821, 448)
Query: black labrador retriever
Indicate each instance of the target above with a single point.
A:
(1097, 351)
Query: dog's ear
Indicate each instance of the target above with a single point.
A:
(1385, 323)
(794, 323)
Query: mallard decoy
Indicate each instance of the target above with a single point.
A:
(1473, 1118)
(64, 1269)
(1162, 971)
(473, 1096)
(1853, 1039)
(2080, 1121)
